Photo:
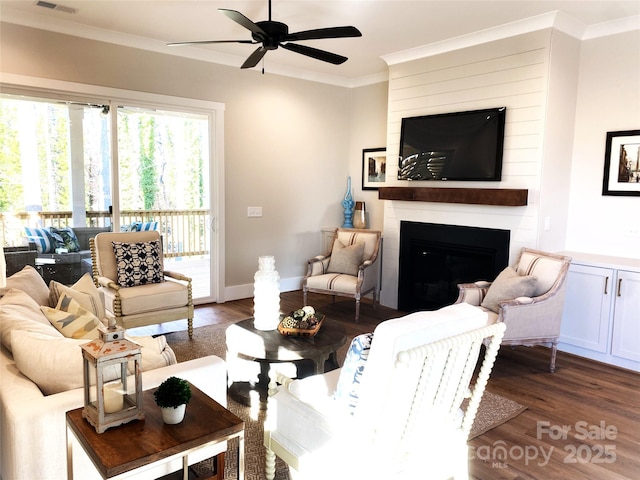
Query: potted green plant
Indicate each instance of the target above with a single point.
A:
(172, 397)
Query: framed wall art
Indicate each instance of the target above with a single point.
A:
(622, 164)
(374, 168)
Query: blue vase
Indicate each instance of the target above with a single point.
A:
(348, 204)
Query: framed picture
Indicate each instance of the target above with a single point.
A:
(622, 164)
(374, 168)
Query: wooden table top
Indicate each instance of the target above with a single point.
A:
(272, 345)
(142, 442)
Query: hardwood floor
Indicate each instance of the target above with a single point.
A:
(582, 422)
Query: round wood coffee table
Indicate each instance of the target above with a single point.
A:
(266, 347)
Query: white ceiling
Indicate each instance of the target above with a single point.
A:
(389, 28)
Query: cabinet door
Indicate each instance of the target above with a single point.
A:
(626, 319)
(587, 307)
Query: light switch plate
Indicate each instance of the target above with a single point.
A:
(254, 211)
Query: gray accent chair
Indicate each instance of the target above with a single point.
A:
(533, 319)
(341, 273)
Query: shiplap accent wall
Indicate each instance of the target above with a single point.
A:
(514, 73)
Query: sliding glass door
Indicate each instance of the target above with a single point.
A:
(70, 161)
(56, 164)
(163, 184)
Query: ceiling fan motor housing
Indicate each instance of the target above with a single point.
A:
(276, 33)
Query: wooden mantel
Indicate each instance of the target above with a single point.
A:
(477, 196)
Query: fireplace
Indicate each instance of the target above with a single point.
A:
(434, 258)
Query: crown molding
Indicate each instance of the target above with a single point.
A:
(476, 38)
(556, 20)
(67, 27)
(613, 27)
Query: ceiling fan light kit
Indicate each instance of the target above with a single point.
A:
(272, 34)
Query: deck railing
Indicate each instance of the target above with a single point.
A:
(184, 232)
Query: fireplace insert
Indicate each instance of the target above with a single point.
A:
(435, 258)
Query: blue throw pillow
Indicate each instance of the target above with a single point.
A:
(348, 388)
(144, 227)
(43, 238)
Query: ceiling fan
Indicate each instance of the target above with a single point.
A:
(272, 34)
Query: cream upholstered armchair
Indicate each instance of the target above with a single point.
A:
(350, 269)
(527, 298)
(128, 269)
(394, 410)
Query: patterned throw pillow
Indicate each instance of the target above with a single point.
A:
(67, 239)
(348, 388)
(145, 227)
(83, 291)
(72, 320)
(138, 263)
(43, 238)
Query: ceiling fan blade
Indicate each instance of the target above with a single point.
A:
(318, 33)
(205, 42)
(242, 20)
(254, 58)
(315, 53)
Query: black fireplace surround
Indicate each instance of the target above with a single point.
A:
(435, 258)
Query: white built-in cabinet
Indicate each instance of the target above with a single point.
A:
(601, 317)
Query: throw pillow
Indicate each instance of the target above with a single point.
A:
(43, 238)
(348, 387)
(138, 263)
(55, 365)
(345, 259)
(68, 238)
(145, 227)
(71, 320)
(18, 311)
(83, 291)
(507, 286)
(30, 282)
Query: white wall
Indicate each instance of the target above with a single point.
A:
(368, 130)
(608, 100)
(523, 73)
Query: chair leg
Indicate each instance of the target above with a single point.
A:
(357, 310)
(554, 350)
(190, 327)
(304, 297)
(270, 464)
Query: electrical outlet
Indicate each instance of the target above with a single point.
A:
(633, 231)
(254, 211)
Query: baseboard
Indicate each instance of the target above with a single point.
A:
(238, 292)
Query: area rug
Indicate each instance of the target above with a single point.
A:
(494, 409)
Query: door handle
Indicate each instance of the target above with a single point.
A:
(606, 284)
(619, 287)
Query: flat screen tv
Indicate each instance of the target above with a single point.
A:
(453, 146)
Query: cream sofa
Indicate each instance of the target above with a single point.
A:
(35, 357)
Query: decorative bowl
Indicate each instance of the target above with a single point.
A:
(301, 332)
